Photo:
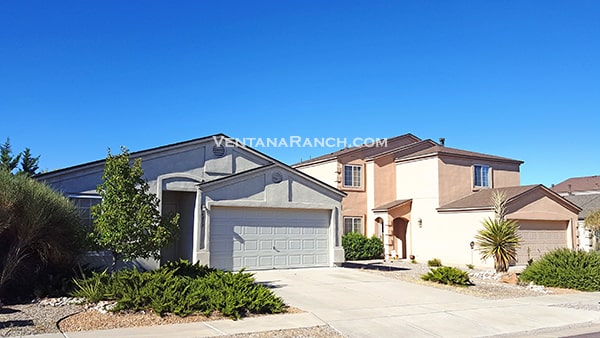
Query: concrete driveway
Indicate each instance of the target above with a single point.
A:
(363, 304)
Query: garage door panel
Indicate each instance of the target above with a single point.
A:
(262, 238)
(539, 237)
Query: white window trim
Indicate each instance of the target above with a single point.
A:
(362, 224)
(362, 173)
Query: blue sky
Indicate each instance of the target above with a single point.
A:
(519, 79)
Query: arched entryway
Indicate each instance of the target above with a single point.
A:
(379, 228)
(399, 228)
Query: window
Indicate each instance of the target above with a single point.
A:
(353, 224)
(481, 176)
(352, 176)
(83, 204)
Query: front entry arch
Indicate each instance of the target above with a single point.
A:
(399, 228)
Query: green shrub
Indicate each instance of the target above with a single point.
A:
(434, 262)
(40, 237)
(448, 275)
(470, 266)
(359, 247)
(565, 268)
(181, 288)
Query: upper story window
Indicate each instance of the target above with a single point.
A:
(481, 176)
(352, 176)
(353, 224)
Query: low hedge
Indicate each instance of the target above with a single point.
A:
(182, 289)
(448, 275)
(565, 268)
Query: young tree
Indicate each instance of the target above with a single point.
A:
(29, 164)
(592, 222)
(127, 221)
(8, 162)
(499, 237)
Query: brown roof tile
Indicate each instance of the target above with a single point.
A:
(482, 199)
(575, 184)
(442, 150)
(390, 205)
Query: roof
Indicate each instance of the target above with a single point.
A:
(442, 150)
(345, 151)
(197, 140)
(575, 184)
(587, 203)
(481, 200)
(132, 155)
(391, 205)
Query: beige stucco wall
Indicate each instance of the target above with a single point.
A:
(323, 171)
(456, 176)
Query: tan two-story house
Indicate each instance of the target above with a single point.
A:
(427, 200)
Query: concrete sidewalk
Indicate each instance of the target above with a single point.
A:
(203, 329)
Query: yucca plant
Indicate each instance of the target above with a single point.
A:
(499, 239)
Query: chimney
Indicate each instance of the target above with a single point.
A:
(442, 141)
(570, 190)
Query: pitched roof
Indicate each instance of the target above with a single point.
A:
(481, 200)
(391, 205)
(575, 184)
(587, 203)
(345, 151)
(442, 150)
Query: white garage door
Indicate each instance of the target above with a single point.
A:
(263, 238)
(539, 237)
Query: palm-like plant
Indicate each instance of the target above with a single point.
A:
(499, 238)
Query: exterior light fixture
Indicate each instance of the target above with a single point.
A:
(420, 222)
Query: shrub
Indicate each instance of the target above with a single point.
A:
(358, 247)
(448, 275)
(470, 266)
(40, 237)
(565, 268)
(181, 288)
(434, 262)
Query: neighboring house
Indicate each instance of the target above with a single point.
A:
(424, 199)
(238, 207)
(585, 193)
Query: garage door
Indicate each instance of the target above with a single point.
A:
(263, 238)
(539, 237)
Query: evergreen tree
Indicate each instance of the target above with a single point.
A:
(29, 164)
(7, 161)
(127, 222)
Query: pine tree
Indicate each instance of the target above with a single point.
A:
(7, 161)
(127, 221)
(29, 164)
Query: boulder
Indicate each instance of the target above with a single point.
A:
(509, 278)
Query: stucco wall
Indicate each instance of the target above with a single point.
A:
(456, 176)
(324, 171)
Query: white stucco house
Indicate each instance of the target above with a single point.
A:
(239, 208)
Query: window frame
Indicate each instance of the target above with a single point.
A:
(487, 176)
(360, 176)
(85, 210)
(353, 224)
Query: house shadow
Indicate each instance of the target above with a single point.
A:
(372, 266)
(7, 310)
(272, 284)
(16, 323)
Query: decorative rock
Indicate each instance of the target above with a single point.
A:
(509, 278)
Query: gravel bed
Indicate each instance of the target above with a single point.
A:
(33, 318)
(486, 282)
(312, 332)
